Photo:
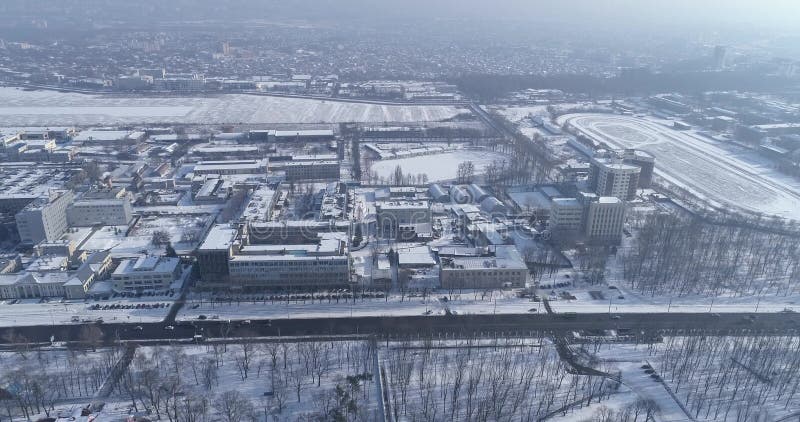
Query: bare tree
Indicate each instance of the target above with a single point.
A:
(233, 406)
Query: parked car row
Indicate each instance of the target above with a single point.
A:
(98, 307)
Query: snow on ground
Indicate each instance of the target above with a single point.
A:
(628, 361)
(624, 300)
(48, 108)
(709, 171)
(250, 372)
(260, 306)
(714, 378)
(503, 379)
(438, 167)
(27, 312)
(517, 114)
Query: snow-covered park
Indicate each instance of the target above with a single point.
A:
(710, 171)
(51, 108)
(438, 167)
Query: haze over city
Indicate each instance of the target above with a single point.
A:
(352, 210)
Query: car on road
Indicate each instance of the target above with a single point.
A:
(169, 328)
(616, 317)
(138, 328)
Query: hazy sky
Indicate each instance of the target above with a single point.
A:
(754, 12)
(748, 14)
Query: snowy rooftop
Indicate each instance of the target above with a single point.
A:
(104, 135)
(301, 133)
(220, 237)
(149, 264)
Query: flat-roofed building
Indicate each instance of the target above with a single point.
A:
(152, 273)
(325, 264)
(292, 231)
(258, 167)
(502, 266)
(310, 170)
(106, 212)
(318, 135)
(214, 253)
(566, 215)
(605, 219)
(613, 177)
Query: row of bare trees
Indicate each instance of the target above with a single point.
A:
(684, 256)
(485, 380)
(251, 381)
(36, 380)
(742, 378)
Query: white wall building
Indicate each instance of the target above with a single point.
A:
(146, 273)
(613, 177)
(566, 215)
(44, 219)
(605, 219)
(107, 212)
(306, 266)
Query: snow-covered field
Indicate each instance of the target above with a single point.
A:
(50, 108)
(438, 167)
(709, 171)
(517, 114)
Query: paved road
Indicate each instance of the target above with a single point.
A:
(647, 324)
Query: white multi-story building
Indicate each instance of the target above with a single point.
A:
(44, 219)
(146, 273)
(566, 215)
(310, 170)
(307, 266)
(613, 177)
(106, 212)
(605, 219)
